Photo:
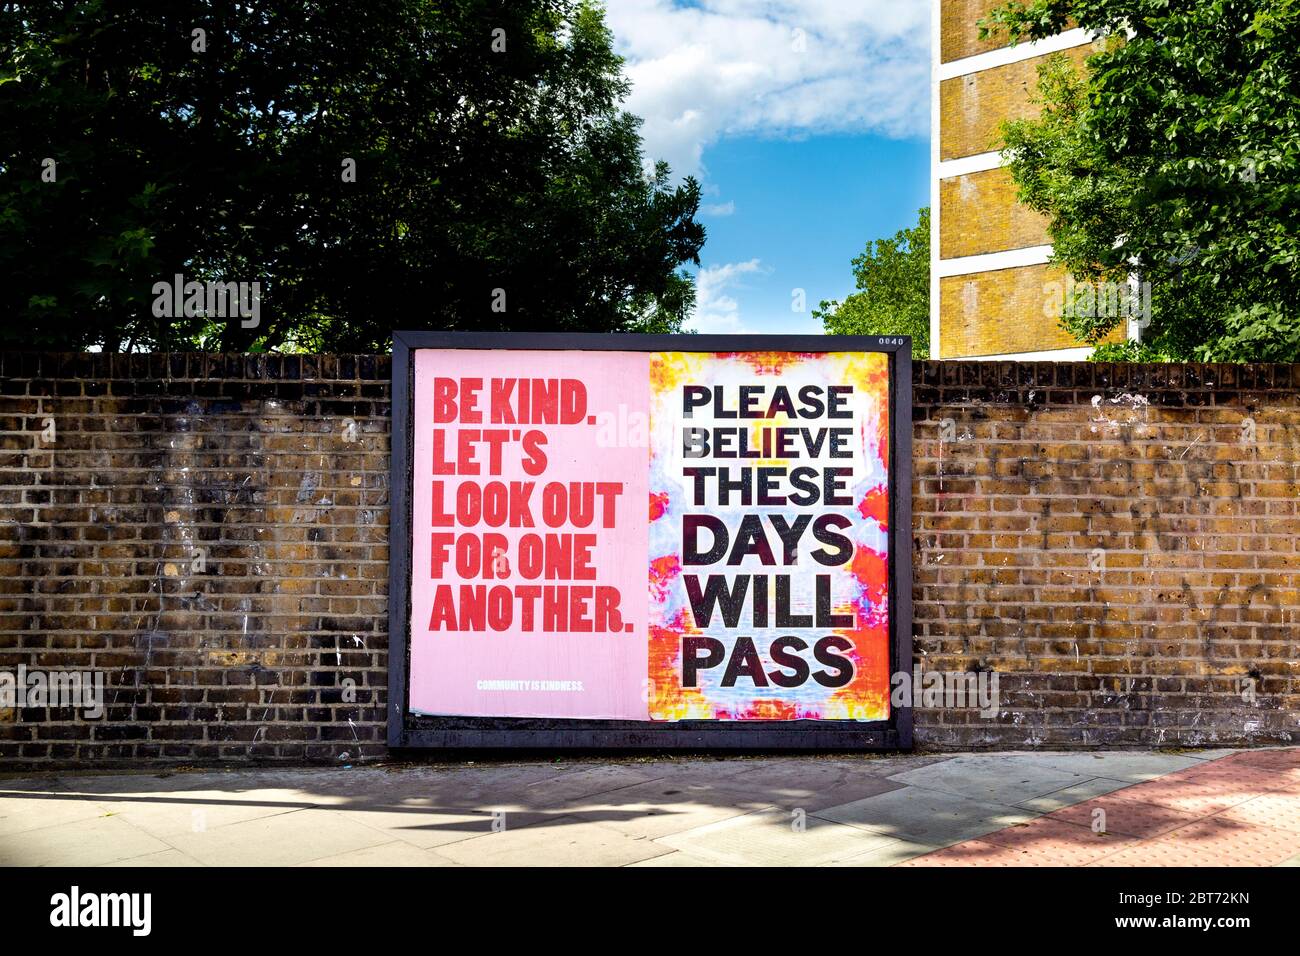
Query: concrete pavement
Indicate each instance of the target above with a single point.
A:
(1209, 807)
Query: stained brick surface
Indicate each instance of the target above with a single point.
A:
(1006, 311)
(972, 107)
(1117, 542)
(981, 215)
(211, 531)
(960, 28)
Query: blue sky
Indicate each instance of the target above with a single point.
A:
(807, 123)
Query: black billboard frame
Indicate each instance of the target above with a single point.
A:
(423, 732)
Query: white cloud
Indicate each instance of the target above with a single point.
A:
(719, 209)
(771, 67)
(715, 310)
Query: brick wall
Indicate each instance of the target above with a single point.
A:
(959, 28)
(980, 215)
(969, 303)
(1119, 542)
(973, 107)
(211, 531)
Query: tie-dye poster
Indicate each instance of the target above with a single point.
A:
(769, 574)
(754, 585)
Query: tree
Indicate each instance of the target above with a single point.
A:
(893, 297)
(452, 164)
(1175, 157)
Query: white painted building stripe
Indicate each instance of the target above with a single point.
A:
(979, 163)
(992, 261)
(1052, 355)
(1013, 54)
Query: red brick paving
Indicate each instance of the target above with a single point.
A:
(1126, 816)
(1241, 810)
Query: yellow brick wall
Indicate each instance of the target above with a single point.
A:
(980, 214)
(960, 28)
(959, 24)
(995, 313)
(972, 107)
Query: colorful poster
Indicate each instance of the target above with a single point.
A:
(650, 536)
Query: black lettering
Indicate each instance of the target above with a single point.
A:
(782, 657)
(690, 539)
(693, 663)
(716, 596)
(822, 589)
(744, 662)
(824, 651)
(842, 543)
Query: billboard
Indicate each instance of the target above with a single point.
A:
(648, 540)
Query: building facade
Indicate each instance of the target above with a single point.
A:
(991, 285)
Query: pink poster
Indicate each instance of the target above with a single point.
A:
(528, 586)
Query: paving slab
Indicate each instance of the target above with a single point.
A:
(461, 786)
(1053, 841)
(661, 808)
(1274, 758)
(932, 817)
(567, 841)
(1214, 754)
(1123, 765)
(20, 813)
(770, 838)
(810, 786)
(161, 858)
(1213, 813)
(396, 853)
(1235, 844)
(1160, 855)
(87, 842)
(1275, 810)
(426, 824)
(1125, 817)
(891, 853)
(994, 778)
(1188, 796)
(693, 767)
(576, 785)
(1076, 793)
(983, 853)
(287, 838)
(678, 858)
(190, 811)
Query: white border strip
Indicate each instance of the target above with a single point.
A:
(993, 261)
(979, 163)
(1053, 355)
(1012, 54)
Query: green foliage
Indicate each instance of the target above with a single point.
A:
(893, 297)
(1177, 157)
(477, 170)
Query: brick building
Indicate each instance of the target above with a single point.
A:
(989, 255)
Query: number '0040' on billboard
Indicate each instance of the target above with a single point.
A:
(653, 534)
